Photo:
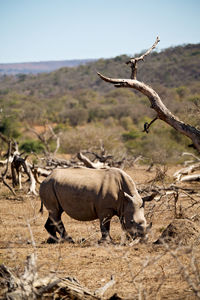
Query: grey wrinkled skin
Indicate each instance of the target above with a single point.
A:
(89, 194)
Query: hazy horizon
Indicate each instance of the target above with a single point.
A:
(53, 60)
(38, 31)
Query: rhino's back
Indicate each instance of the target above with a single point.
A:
(83, 193)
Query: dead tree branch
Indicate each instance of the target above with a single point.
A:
(17, 164)
(42, 137)
(147, 125)
(56, 137)
(3, 174)
(133, 61)
(195, 158)
(30, 286)
(192, 282)
(186, 171)
(101, 291)
(194, 177)
(162, 111)
(87, 162)
(46, 136)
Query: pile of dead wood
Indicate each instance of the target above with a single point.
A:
(191, 166)
(30, 286)
(16, 165)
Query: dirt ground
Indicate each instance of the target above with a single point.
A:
(142, 271)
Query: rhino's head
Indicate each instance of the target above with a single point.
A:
(134, 221)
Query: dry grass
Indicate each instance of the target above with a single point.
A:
(143, 271)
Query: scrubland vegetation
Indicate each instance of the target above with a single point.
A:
(79, 105)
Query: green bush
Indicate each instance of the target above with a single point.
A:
(9, 127)
(131, 135)
(30, 146)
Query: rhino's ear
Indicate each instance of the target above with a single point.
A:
(149, 197)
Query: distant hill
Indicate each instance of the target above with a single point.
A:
(40, 67)
(172, 67)
(76, 97)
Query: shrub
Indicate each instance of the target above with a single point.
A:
(9, 127)
(30, 146)
(131, 135)
(89, 137)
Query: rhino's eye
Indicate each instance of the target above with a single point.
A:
(132, 221)
(141, 223)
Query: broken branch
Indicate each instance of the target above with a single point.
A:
(133, 61)
(162, 111)
(3, 174)
(147, 125)
(146, 53)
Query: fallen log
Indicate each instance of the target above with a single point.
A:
(185, 171)
(194, 177)
(89, 164)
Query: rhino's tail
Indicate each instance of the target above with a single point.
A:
(41, 198)
(41, 207)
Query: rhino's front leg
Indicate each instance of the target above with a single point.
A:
(63, 234)
(105, 230)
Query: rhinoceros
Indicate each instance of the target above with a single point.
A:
(88, 194)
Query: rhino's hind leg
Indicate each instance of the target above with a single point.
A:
(53, 225)
(63, 234)
(105, 230)
(51, 229)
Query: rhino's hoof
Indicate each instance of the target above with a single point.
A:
(105, 242)
(82, 240)
(69, 239)
(52, 240)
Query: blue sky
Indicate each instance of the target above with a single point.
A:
(42, 30)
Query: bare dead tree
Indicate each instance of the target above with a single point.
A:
(162, 112)
(17, 164)
(3, 174)
(102, 156)
(45, 137)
